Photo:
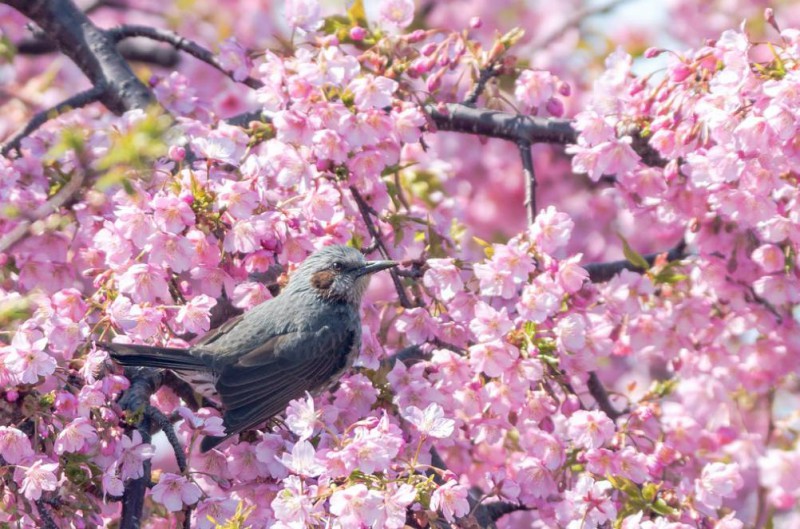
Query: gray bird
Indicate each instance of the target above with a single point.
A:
(302, 340)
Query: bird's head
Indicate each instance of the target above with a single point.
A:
(337, 273)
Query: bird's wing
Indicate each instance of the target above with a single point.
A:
(214, 334)
(261, 383)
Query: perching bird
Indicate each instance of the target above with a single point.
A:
(302, 340)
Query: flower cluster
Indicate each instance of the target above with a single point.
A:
(483, 367)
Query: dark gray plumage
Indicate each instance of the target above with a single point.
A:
(302, 340)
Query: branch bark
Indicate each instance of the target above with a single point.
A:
(91, 49)
(58, 200)
(79, 100)
(180, 43)
(146, 52)
(504, 125)
(602, 272)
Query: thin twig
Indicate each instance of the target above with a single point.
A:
(181, 43)
(165, 425)
(64, 195)
(575, 20)
(79, 100)
(530, 180)
(377, 238)
(486, 73)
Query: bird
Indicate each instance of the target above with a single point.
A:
(300, 341)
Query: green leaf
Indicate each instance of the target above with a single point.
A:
(357, 14)
(660, 506)
(632, 255)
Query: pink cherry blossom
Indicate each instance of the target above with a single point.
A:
(451, 500)
(397, 13)
(15, 446)
(356, 506)
(38, 477)
(75, 436)
(431, 421)
(173, 492)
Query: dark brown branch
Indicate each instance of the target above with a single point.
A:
(144, 382)
(503, 125)
(180, 43)
(161, 420)
(144, 51)
(91, 49)
(530, 180)
(64, 195)
(488, 72)
(600, 395)
(366, 214)
(79, 100)
(44, 514)
(602, 272)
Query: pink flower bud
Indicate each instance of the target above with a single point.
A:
(475, 22)
(680, 72)
(652, 52)
(555, 107)
(176, 153)
(12, 395)
(415, 36)
(358, 33)
(564, 88)
(428, 49)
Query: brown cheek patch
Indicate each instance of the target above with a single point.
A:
(323, 280)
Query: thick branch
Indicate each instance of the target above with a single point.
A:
(602, 272)
(180, 43)
(44, 514)
(144, 382)
(503, 125)
(600, 395)
(144, 51)
(79, 100)
(92, 50)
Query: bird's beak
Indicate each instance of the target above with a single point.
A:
(376, 266)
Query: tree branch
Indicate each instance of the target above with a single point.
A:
(486, 73)
(44, 514)
(180, 43)
(64, 195)
(602, 272)
(91, 49)
(504, 125)
(575, 20)
(377, 238)
(144, 382)
(530, 180)
(600, 395)
(144, 51)
(161, 420)
(79, 100)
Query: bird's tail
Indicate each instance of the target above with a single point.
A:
(128, 354)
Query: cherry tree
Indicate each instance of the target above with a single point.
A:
(596, 320)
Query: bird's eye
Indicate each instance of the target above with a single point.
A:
(337, 266)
